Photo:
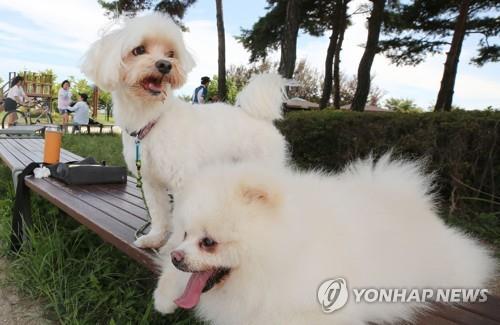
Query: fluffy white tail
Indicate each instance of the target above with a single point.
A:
(263, 96)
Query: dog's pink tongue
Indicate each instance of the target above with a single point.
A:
(155, 86)
(192, 293)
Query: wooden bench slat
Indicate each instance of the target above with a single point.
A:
(108, 228)
(99, 203)
(29, 146)
(432, 319)
(121, 199)
(18, 153)
(36, 146)
(29, 155)
(461, 316)
(422, 319)
(123, 192)
(10, 159)
(133, 190)
(87, 205)
(114, 206)
(489, 308)
(25, 145)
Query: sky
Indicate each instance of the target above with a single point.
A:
(54, 34)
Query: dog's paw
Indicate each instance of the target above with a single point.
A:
(164, 305)
(151, 240)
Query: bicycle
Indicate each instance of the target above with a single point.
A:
(38, 112)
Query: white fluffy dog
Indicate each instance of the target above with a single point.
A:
(141, 64)
(252, 244)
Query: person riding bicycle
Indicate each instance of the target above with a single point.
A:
(15, 96)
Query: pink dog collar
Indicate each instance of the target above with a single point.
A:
(141, 134)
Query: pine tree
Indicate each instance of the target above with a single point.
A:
(335, 13)
(371, 49)
(279, 28)
(425, 27)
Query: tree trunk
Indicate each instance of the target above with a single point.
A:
(365, 65)
(330, 53)
(289, 40)
(221, 79)
(445, 95)
(338, 49)
(327, 81)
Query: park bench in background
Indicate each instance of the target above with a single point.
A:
(114, 212)
(26, 131)
(93, 128)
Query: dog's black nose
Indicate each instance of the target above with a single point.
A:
(163, 66)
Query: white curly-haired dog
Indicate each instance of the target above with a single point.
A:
(253, 244)
(141, 64)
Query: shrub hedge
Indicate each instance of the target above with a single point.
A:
(463, 148)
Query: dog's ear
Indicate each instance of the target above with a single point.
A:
(186, 59)
(260, 194)
(102, 61)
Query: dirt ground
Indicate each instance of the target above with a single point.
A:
(15, 310)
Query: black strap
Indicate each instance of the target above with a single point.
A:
(21, 211)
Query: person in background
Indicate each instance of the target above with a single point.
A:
(214, 99)
(63, 102)
(15, 96)
(81, 110)
(201, 92)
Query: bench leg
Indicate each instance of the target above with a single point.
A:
(15, 175)
(21, 214)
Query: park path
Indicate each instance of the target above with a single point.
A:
(14, 309)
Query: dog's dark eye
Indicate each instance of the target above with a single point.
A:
(185, 235)
(208, 242)
(139, 50)
(171, 54)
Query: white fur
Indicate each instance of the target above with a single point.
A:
(283, 233)
(185, 137)
(103, 61)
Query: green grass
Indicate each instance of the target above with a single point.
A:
(80, 279)
(102, 119)
(101, 147)
(484, 225)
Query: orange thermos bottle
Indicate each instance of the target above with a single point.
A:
(52, 148)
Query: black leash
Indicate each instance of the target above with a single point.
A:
(21, 211)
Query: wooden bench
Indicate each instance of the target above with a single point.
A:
(23, 131)
(114, 212)
(90, 127)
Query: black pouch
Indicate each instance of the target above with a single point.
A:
(88, 171)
